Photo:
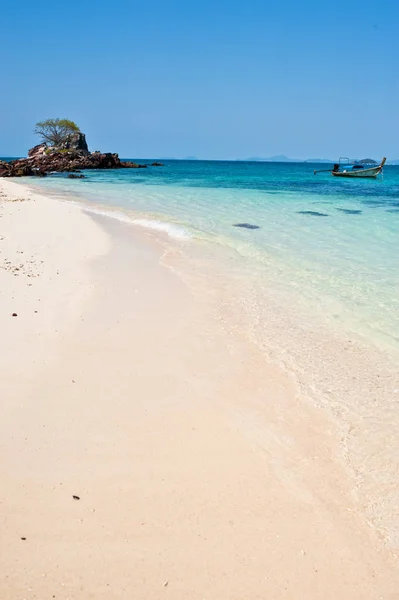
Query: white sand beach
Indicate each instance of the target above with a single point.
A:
(147, 453)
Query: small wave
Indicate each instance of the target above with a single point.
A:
(174, 231)
(113, 214)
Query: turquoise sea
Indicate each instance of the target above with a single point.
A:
(332, 241)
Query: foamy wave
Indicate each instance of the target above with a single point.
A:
(113, 214)
(174, 231)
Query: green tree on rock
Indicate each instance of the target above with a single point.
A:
(55, 131)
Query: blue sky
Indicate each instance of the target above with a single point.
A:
(210, 79)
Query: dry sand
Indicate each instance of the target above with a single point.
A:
(200, 471)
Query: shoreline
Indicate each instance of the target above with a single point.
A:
(331, 312)
(352, 378)
(198, 462)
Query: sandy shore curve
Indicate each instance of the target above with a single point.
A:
(144, 452)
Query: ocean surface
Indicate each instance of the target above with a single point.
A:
(335, 242)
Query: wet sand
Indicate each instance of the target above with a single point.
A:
(198, 468)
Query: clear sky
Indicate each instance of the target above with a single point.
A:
(215, 79)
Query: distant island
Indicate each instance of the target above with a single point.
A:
(277, 158)
(281, 158)
(318, 160)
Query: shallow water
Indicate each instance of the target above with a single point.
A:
(332, 241)
(306, 268)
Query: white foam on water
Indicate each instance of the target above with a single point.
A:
(174, 231)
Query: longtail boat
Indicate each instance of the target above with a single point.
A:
(363, 168)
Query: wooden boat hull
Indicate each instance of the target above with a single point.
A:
(372, 172)
(361, 173)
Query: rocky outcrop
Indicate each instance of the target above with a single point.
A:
(20, 168)
(75, 141)
(43, 159)
(38, 150)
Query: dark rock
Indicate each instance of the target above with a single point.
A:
(38, 150)
(39, 173)
(73, 176)
(71, 157)
(14, 315)
(247, 226)
(4, 168)
(132, 165)
(23, 539)
(75, 141)
(76, 497)
(157, 164)
(21, 168)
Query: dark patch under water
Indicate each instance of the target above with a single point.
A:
(313, 213)
(349, 211)
(375, 203)
(246, 226)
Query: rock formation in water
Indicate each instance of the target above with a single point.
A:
(71, 156)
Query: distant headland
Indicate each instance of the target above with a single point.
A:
(282, 158)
